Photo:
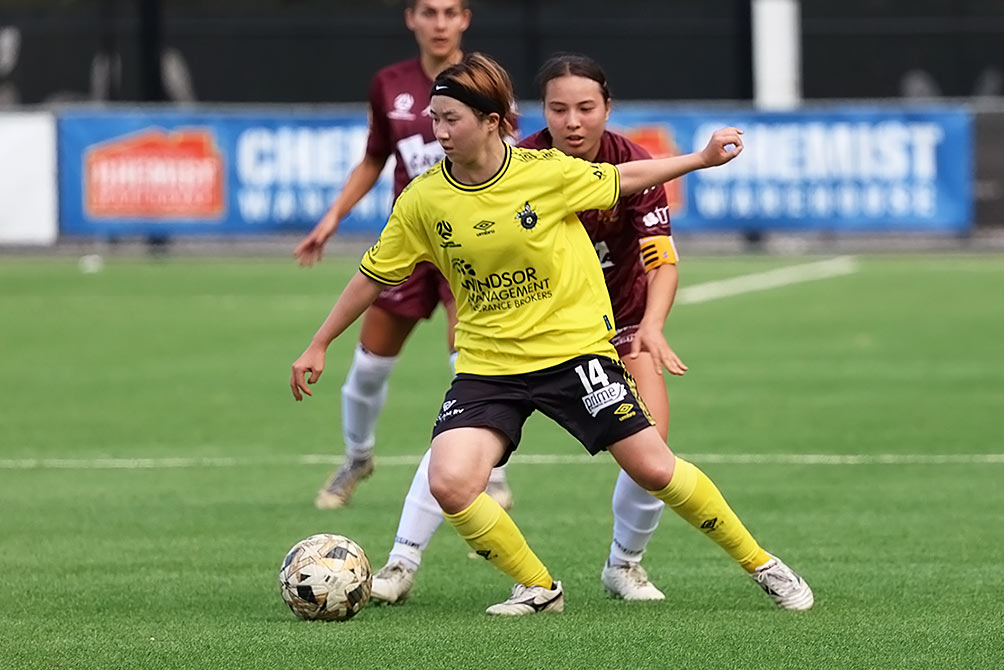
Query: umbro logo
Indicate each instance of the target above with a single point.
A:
(625, 411)
(484, 553)
(710, 524)
(485, 228)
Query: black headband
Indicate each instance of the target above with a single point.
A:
(482, 103)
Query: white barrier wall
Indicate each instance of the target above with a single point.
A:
(29, 209)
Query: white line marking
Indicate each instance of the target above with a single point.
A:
(529, 459)
(761, 281)
(704, 292)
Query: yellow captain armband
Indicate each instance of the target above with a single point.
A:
(657, 250)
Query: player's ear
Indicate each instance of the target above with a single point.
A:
(466, 23)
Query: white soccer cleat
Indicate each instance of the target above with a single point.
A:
(783, 585)
(630, 582)
(392, 583)
(500, 493)
(337, 491)
(531, 600)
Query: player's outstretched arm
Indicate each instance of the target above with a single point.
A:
(360, 182)
(358, 294)
(724, 145)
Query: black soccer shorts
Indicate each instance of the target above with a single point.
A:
(592, 397)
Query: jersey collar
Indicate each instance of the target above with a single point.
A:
(466, 188)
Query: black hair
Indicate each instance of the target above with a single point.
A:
(410, 4)
(562, 64)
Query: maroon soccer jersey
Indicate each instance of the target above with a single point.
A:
(400, 123)
(616, 232)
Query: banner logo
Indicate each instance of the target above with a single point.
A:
(155, 174)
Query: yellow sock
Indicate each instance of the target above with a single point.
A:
(696, 498)
(493, 534)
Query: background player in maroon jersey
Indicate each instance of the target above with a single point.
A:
(399, 126)
(635, 248)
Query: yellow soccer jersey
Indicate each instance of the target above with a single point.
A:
(529, 288)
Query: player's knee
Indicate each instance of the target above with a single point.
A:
(654, 476)
(452, 490)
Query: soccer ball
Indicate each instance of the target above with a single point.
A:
(325, 577)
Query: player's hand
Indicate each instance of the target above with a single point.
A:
(306, 370)
(650, 339)
(310, 250)
(724, 145)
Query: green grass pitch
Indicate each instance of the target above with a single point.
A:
(179, 370)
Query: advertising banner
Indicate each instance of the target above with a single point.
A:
(28, 178)
(838, 169)
(152, 172)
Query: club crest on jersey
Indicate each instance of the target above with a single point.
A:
(527, 217)
(445, 230)
(402, 107)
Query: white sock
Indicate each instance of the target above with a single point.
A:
(363, 397)
(453, 362)
(636, 516)
(420, 517)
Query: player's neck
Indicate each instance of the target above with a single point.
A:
(481, 167)
(432, 65)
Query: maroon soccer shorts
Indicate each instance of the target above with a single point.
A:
(417, 298)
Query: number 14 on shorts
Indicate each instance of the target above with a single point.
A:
(600, 392)
(597, 377)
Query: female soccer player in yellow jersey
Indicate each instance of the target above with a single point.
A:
(634, 245)
(534, 327)
(399, 126)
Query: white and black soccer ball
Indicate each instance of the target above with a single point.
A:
(326, 577)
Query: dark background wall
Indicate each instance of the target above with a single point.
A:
(319, 51)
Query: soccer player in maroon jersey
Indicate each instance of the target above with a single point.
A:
(636, 251)
(399, 126)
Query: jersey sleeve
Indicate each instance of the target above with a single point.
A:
(400, 247)
(379, 144)
(648, 212)
(589, 185)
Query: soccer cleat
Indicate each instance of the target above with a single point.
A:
(783, 585)
(337, 491)
(392, 583)
(531, 600)
(500, 493)
(630, 582)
